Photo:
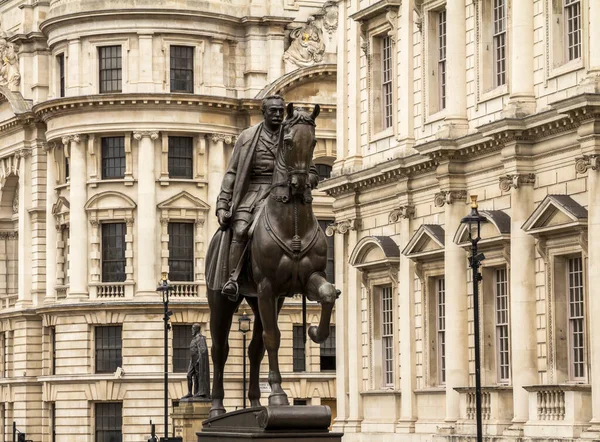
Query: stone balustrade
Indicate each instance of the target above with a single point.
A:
(185, 289)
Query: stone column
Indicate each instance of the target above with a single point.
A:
(522, 296)
(216, 171)
(456, 79)
(51, 233)
(21, 205)
(147, 250)
(406, 75)
(590, 162)
(78, 281)
(455, 269)
(522, 95)
(406, 328)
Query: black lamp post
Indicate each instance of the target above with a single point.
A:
(244, 323)
(473, 221)
(164, 287)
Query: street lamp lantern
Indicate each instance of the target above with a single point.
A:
(164, 288)
(473, 221)
(244, 326)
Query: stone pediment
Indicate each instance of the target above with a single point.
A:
(61, 206)
(555, 214)
(109, 200)
(184, 200)
(426, 243)
(495, 230)
(374, 252)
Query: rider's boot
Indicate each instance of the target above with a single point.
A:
(231, 288)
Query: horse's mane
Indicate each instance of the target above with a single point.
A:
(300, 117)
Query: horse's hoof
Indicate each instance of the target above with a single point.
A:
(312, 333)
(214, 412)
(278, 399)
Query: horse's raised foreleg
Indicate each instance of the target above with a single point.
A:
(221, 314)
(256, 352)
(269, 307)
(318, 287)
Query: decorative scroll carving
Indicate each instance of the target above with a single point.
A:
(225, 138)
(342, 227)
(582, 164)
(330, 13)
(67, 139)
(404, 212)
(364, 38)
(139, 134)
(515, 181)
(10, 75)
(15, 205)
(24, 153)
(9, 235)
(392, 17)
(449, 197)
(307, 46)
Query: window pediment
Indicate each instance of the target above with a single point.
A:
(374, 10)
(556, 214)
(375, 252)
(61, 206)
(494, 232)
(426, 243)
(110, 205)
(184, 200)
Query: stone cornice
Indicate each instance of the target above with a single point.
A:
(379, 8)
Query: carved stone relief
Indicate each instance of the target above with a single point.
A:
(10, 75)
(515, 181)
(449, 197)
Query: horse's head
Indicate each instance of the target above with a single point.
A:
(298, 145)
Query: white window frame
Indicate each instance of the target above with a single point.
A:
(440, 321)
(575, 7)
(500, 42)
(387, 82)
(387, 335)
(502, 325)
(199, 48)
(442, 38)
(94, 53)
(556, 26)
(575, 294)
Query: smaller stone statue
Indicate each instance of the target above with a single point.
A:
(198, 375)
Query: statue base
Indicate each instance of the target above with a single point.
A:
(273, 424)
(188, 416)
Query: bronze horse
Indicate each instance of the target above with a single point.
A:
(288, 255)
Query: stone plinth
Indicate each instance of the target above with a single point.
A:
(188, 417)
(273, 424)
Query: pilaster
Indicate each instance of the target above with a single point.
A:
(591, 83)
(455, 265)
(216, 171)
(147, 269)
(217, 67)
(51, 233)
(23, 207)
(78, 285)
(73, 66)
(406, 77)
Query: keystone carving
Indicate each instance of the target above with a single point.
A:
(10, 74)
(404, 212)
(342, 227)
(582, 164)
(330, 13)
(152, 134)
(515, 181)
(449, 197)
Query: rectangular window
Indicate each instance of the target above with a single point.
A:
(300, 401)
(502, 326)
(573, 29)
(113, 252)
(499, 42)
(441, 59)
(182, 337)
(576, 311)
(328, 351)
(441, 328)
(387, 336)
(52, 333)
(330, 269)
(111, 71)
(387, 76)
(182, 69)
(181, 251)
(113, 158)
(67, 171)
(52, 421)
(3, 356)
(324, 171)
(60, 60)
(109, 422)
(181, 163)
(299, 352)
(108, 348)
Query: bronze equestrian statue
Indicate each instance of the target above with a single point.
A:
(198, 376)
(269, 245)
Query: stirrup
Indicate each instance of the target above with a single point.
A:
(231, 290)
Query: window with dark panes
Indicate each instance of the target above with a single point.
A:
(108, 348)
(52, 332)
(324, 171)
(60, 60)
(113, 252)
(181, 251)
(300, 401)
(299, 351)
(3, 356)
(181, 163)
(182, 69)
(441, 27)
(67, 169)
(113, 157)
(328, 351)
(330, 269)
(182, 336)
(111, 71)
(109, 422)
(52, 421)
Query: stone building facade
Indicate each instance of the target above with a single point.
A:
(440, 100)
(116, 123)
